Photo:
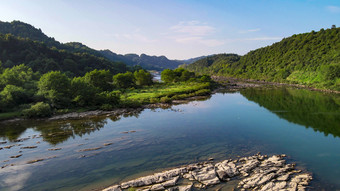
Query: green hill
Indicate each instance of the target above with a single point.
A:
(311, 59)
(24, 30)
(212, 64)
(15, 51)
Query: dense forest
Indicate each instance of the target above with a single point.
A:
(311, 59)
(15, 51)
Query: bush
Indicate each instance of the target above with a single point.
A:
(165, 99)
(40, 109)
(203, 92)
(154, 100)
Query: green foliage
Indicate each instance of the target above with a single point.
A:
(177, 75)
(39, 109)
(41, 58)
(101, 79)
(143, 78)
(12, 96)
(311, 59)
(20, 75)
(111, 98)
(125, 80)
(165, 99)
(55, 87)
(83, 93)
(167, 76)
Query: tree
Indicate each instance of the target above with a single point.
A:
(168, 76)
(55, 87)
(83, 93)
(125, 80)
(21, 76)
(12, 96)
(101, 79)
(143, 78)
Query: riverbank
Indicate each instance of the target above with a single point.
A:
(258, 172)
(235, 83)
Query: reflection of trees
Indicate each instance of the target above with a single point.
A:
(59, 131)
(313, 109)
(12, 131)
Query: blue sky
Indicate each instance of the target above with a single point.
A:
(178, 29)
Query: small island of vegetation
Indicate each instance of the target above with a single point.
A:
(30, 94)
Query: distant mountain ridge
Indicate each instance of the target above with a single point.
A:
(24, 30)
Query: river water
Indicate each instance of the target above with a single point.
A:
(96, 152)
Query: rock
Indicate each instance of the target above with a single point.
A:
(185, 188)
(157, 187)
(16, 156)
(113, 188)
(9, 146)
(107, 144)
(171, 182)
(206, 175)
(226, 170)
(3, 142)
(34, 161)
(28, 147)
(54, 149)
(90, 149)
(155, 178)
(262, 173)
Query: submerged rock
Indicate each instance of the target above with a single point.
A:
(256, 172)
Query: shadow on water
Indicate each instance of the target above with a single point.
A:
(311, 109)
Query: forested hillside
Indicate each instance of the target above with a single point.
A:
(311, 59)
(212, 64)
(24, 30)
(39, 57)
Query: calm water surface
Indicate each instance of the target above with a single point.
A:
(304, 125)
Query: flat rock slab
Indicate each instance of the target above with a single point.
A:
(258, 172)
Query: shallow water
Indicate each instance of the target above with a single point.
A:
(303, 124)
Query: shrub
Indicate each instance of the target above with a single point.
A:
(165, 99)
(40, 109)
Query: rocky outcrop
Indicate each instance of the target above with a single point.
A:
(258, 172)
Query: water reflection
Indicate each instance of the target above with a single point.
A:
(55, 132)
(310, 109)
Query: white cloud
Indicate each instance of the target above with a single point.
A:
(134, 36)
(191, 32)
(193, 28)
(250, 31)
(333, 9)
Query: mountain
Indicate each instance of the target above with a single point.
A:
(15, 50)
(23, 43)
(311, 59)
(24, 30)
(147, 62)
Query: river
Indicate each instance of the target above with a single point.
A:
(96, 152)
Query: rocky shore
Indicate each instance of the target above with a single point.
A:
(258, 172)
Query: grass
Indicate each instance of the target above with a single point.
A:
(158, 92)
